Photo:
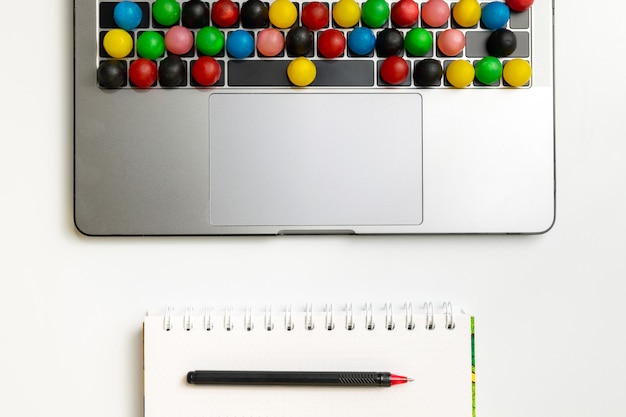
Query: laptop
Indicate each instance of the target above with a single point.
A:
(288, 117)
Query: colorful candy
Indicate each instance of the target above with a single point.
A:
(178, 40)
(283, 14)
(517, 72)
(488, 70)
(418, 41)
(301, 71)
(270, 42)
(394, 70)
(435, 13)
(466, 13)
(346, 13)
(206, 71)
(460, 73)
(210, 41)
(519, 5)
(166, 12)
(375, 13)
(225, 13)
(117, 43)
(142, 73)
(240, 44)
(127, 15)
(315, 15)
(404, 13)
(150, 45)
(451, 42)
(361, 41)
(331, 43)
(495, 15)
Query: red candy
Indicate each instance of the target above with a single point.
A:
(404, 13)
(519, 5)
(225, 13)
(394, 70)
(315, 15)
(206, 71)
(142, 73)
(331, 43)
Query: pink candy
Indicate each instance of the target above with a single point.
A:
(451, 42)
(435, 13)
(178, 40)
(270, 42)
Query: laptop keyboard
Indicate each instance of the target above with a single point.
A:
(284, 43)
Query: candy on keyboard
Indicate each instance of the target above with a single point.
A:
(118, 43)
(372, 30)
(270, 42)
(142, 73)
(519, 5)
(460, 73)
(331, 43)
(315, 15)
(451, 42)
(495, 15)
(225, 13)
(150, 45)
(466, 13)
(418, 42)
(404, 13)
(210, 41)
(254, 14)
(435, 13)
(488, 70)
(375, 13)
(428, 73)
(394, 70)
(195, 14)
(361, 41)
(127, 15)
(112, 74)
(389, 42)
(206, 71)
(239, 44)
(501, 43)
(299, 41)
(178, 40)
(517, 72)
(346, 13)
(301, 71)
(172, 72)
(283, 14)
(166, 12)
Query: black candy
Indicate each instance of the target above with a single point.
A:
(254, 14)
(112, 74)
(501, 43)
(172, 72)
(195, 14)
(299, 41)
(389, 42)
(428, 73)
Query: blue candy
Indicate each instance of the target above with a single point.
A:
(127, 15)
(239, 44)
(495, 15)
(361, 41)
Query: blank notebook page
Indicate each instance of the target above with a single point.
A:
(439, 359)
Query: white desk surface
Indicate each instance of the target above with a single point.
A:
(550, 325)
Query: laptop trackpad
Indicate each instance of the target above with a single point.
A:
(315, 159)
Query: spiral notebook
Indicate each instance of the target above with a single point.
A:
(432, 345)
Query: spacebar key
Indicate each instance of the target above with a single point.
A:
(273, 73)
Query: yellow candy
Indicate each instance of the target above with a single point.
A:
(283, 14)
(460, 73)
(301, 71)
(118, 43)
(517, 72)
(346, 13)
(467, 13)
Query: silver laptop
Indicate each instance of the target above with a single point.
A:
(279, 117)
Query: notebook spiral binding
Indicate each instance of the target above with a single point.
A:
(228, 319)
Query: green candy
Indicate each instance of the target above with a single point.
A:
(166, 12)
(210, 41)
(375, 13)
(488, 70)
(418, 41)
(150, 45)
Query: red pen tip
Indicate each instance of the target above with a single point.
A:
(398, 379)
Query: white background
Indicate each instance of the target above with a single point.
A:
(551, 333)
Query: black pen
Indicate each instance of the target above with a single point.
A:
(344, 379)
